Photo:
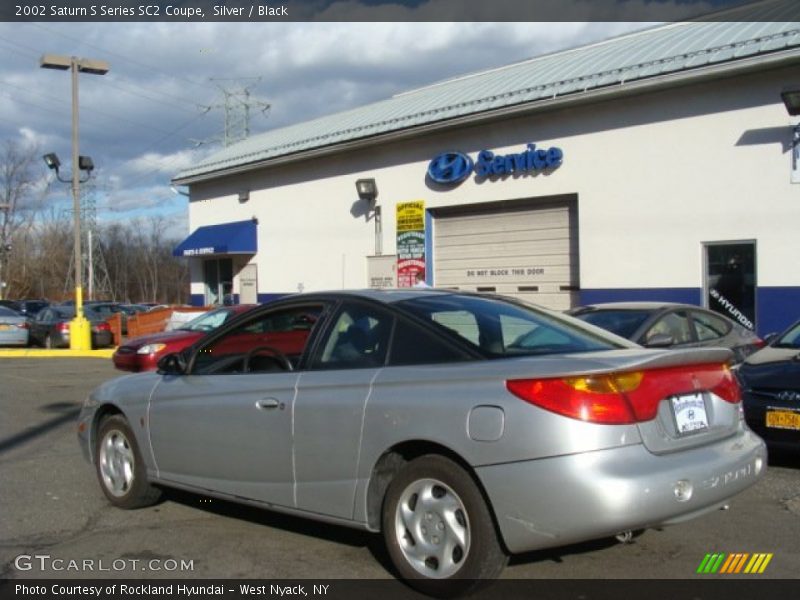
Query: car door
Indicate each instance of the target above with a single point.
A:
(226, 425)
(330, 405)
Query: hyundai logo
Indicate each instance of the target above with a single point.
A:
(789, 396)
(450, 167)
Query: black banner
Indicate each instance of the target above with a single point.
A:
(399, 10)
(714, 587)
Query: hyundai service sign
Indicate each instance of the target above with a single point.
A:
(451, 168)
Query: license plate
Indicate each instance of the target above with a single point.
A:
(783, 419)
(690, 413)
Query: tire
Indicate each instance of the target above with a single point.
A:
(120, 468)
(438, 529)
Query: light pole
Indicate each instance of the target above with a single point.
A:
(80, 335)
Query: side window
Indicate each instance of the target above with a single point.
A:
(412, 345)
(358, 339)
(675, 324)
(708, 326)
(461, 322)
(272, 341)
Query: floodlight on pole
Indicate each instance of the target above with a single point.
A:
(80, 337)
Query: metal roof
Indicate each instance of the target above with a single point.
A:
(671, 51)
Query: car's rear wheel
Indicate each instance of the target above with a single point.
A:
(438, 529)
(120, 468)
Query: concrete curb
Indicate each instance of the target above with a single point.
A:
(61, 353)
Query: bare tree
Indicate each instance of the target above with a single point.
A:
(22, 191)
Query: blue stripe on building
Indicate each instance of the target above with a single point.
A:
(777, 307)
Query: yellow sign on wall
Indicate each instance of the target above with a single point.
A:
(411, 216)
(410, 243)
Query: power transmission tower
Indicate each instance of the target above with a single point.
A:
(99, 282)
(97, 277)
(237, 107)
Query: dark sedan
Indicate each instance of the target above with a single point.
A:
(50, 328)
(29, 308)
(771, 390)
(670, 325)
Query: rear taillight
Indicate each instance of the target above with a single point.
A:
(63, 327)
(24, 325)
(626, 397)
(102, 327)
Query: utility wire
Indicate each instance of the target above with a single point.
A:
(139, 64)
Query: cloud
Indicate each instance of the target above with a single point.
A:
(167, 82)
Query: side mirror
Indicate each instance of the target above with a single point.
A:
(659, 340)
(770, 337)
(172, 364)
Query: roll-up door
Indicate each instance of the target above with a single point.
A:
(527, 249)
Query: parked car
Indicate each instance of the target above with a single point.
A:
(670, 325)
(14, 329)
(11, 304)
(771, 390)
(50, 328)
(109, 309)
(30, 308)
(142, 353)
(460, 426)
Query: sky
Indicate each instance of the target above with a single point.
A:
(157, 111)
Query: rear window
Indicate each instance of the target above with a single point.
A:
(622, 322)
(501, 328)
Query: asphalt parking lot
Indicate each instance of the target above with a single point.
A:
(51, 505)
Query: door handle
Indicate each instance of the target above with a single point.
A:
(268, 403)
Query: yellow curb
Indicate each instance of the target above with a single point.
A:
(63, 353)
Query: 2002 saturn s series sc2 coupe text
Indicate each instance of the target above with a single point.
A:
(462, 427)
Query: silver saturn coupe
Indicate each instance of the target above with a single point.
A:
(462, 427)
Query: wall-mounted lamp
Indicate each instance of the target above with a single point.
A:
(244, 196)
(368, 190)
(791, 100)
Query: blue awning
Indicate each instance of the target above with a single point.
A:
(227, 238)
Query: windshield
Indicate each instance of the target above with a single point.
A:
(622, 322)
(500, 328)
(208, 321)
(790, 339)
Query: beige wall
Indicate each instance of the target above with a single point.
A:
(656, 176)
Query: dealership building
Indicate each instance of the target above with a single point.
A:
(660, 165)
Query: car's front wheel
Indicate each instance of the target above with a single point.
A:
(120, 468)
(438, 529)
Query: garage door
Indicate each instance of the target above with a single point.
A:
(525, 249)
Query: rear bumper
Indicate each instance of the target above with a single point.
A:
(756, 414)
(14, 338)
(579, 497)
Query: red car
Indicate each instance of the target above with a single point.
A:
(142, 353)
